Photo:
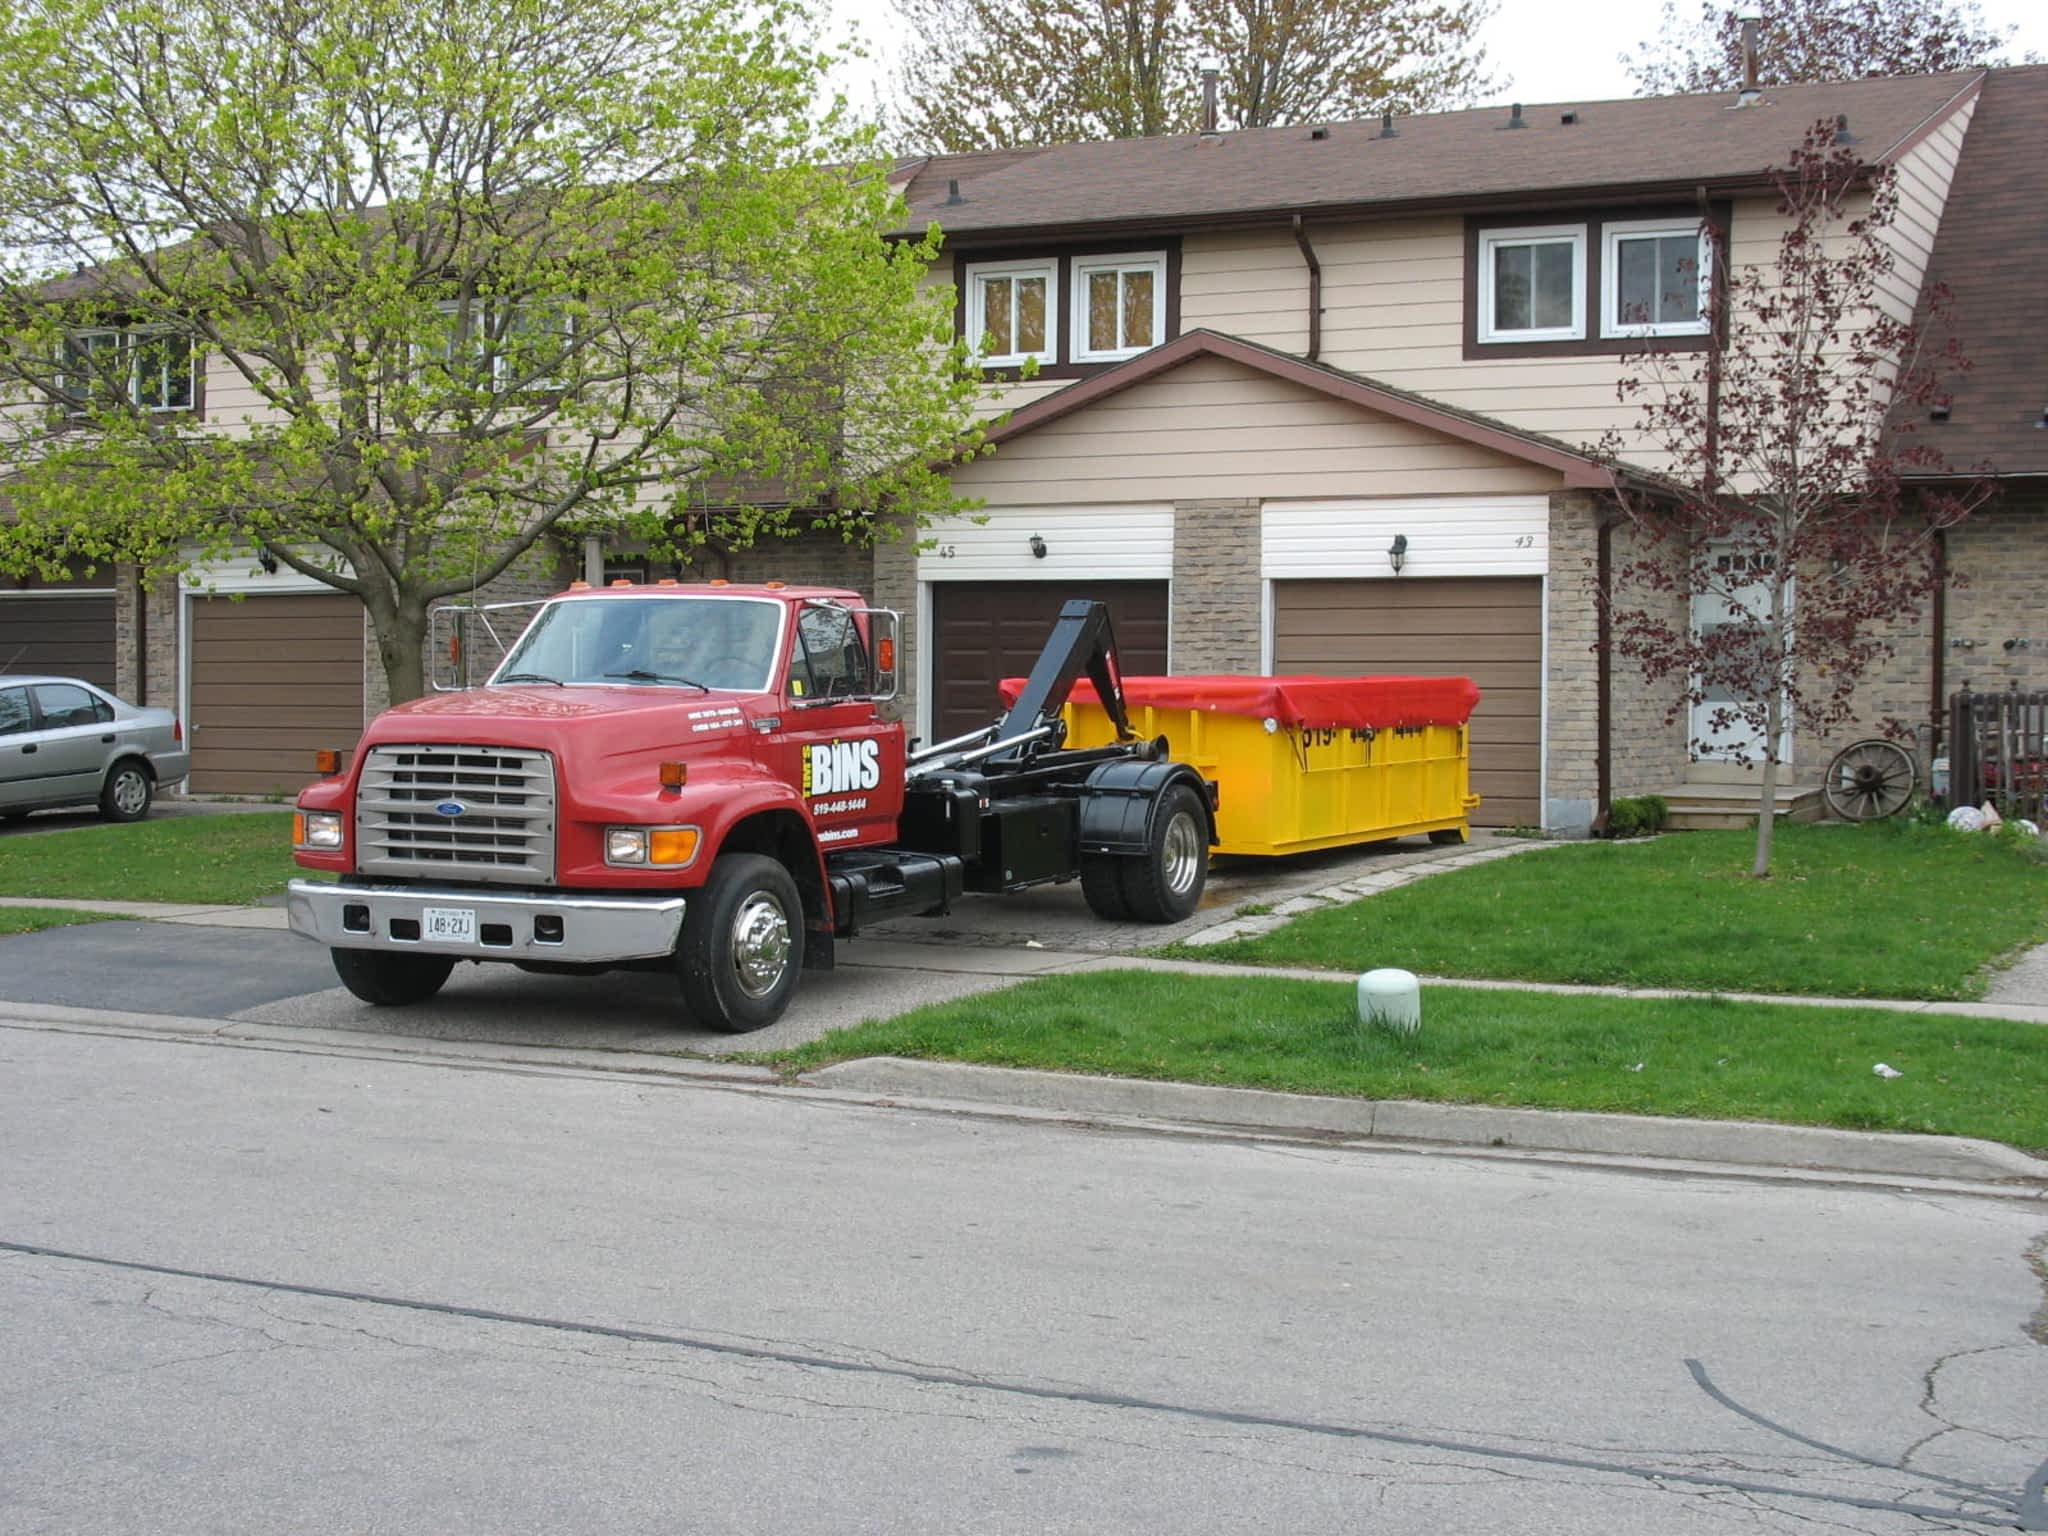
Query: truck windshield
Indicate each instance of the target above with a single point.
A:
(701, 642)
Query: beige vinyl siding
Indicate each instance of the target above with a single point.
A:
(1923, 181)
(1214, 429)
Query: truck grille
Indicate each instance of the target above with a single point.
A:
(504, 831)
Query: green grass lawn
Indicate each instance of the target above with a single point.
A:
(201, 859)
(29, 919)
(1893, 909)
(1704, 1058)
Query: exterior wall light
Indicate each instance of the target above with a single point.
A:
(1397, 552)
(1037, 547)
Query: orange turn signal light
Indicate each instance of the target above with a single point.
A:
(674, 775)
(672, 845)
(327, 761)
(885, 654)
(298, 829)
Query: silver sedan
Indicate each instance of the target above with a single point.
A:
(65, 742)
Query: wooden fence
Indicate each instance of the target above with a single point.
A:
(1998, 751)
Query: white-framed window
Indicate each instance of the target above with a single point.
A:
(151, 368)
(1654, 276)
(1012, 307)
(525, 340)
(1119, 305)
(1532, 284)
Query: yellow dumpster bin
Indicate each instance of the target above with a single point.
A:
(1307, 762)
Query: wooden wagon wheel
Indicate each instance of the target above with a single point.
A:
(1868, 780)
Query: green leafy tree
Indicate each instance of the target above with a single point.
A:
(393, 291)
(994, 73)
(1800, 40)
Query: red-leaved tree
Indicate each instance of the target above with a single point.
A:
(1779, 541)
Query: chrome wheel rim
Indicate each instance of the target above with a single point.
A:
(1182, 853)
(131, 791)
(760, 944)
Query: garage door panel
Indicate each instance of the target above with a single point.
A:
(274, 680)
(1488, 629)
(68, 636)
(983, 632)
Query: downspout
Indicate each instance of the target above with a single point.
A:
(1717, 337)
(1603, 755)
(1315, 290)
(141, 638)
(1937, 706)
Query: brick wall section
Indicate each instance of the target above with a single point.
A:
(2002, 556)
(895, 586)
(1571, 686)
(1649, 755)
(1896, 691)
(146, 648)
(1216, 596)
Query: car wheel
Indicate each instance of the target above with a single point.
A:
(1164, 884)
(391, 981)
(127, 793)
(742, 945)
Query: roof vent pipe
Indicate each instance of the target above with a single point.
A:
(1211, 68)
(1842, 133)
(953, 192)
(1751, 93)
(1515, 116)
(1387, 128)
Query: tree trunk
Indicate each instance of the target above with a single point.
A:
(401, 630)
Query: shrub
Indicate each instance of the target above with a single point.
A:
(1637, 816)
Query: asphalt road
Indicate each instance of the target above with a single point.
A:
(282, 1290)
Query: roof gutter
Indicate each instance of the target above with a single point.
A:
(1315, 290)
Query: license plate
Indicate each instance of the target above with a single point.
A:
(449, 925)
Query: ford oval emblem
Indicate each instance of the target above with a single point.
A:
(451, 808)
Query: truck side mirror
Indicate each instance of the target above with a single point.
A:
(882, 626)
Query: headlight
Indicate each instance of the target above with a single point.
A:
(317, 829)
(663, 847)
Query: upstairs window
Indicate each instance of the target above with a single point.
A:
(1119, 306)
(154, 370)
(1653, 279)
(1532, 284)
(524, 340)
(1011, 308)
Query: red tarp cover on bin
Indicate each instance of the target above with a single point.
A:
(1345, 703)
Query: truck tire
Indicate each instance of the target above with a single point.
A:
(126, 794)
(1102, 883)
(386, 980)
(742, 948)
(1164, 883)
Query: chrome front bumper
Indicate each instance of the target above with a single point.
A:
(580, 930)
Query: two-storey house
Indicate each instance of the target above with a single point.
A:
(1324, 398)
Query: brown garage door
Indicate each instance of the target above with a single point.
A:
(1488, 629)
(274, 679)
(64, 626)
(984, 631)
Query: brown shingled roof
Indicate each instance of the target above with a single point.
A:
(1644, 143)
(1988, 252)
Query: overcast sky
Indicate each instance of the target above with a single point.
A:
(1540, 50)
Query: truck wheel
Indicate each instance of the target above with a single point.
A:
(742, 946)
(391, 981)
(1164, 884)
(126, 794)
(1102, 882)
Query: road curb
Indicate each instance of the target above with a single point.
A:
(1753, 1144)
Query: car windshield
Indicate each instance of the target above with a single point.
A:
(678, 642)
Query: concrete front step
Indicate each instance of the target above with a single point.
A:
(1705, 807)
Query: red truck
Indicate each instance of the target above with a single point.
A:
(700, 778)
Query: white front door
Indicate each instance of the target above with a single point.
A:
(1729, 606)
